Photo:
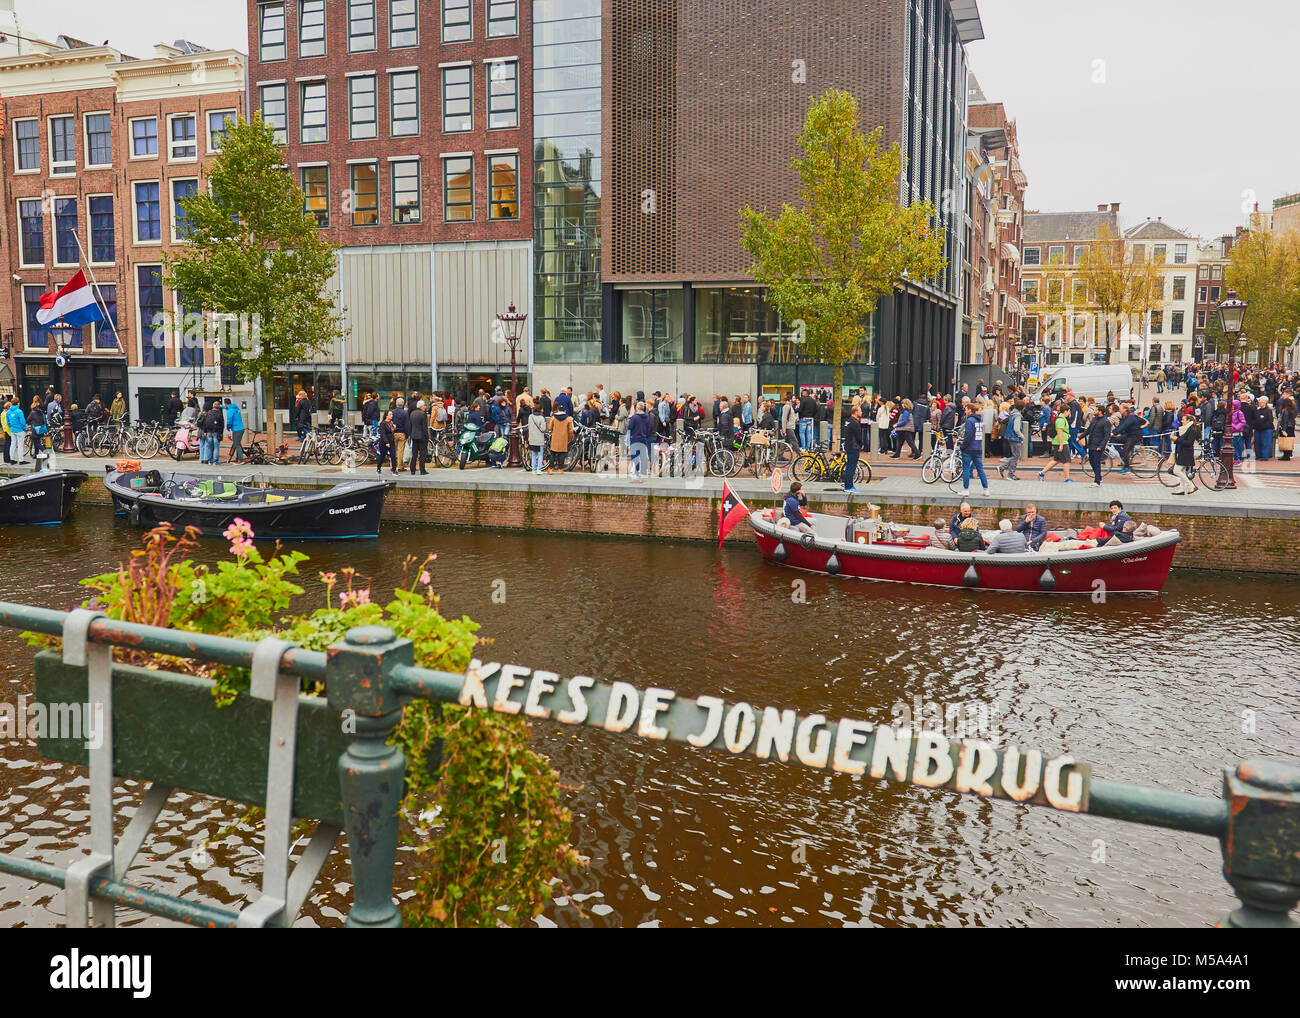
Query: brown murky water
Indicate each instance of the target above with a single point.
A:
(1161, 691)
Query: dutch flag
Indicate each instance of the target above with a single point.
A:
(75, 304)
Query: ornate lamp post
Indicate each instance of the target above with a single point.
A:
(990, 338)
(1232, 316)
(512, 325)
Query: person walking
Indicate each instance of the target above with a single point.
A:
(370, 415)
(1012, 436)
(904, 431)
(1286, 417)
(1059, 439)
(852, 448)
(210, 429)
(807, 420)
(235, 425)
(36, 425)
(790, 421)
(1185, 446)
(418, 426)
(16, 426)
(1096, 440)
(1129, 432)
(537, 439)
(972, 451)
(1264, 429)
(386, 447)
(1160, 379)
(302, 416)
(118, 410)
(401, 417)
(639, 431)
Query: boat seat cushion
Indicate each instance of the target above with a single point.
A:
(217, 489)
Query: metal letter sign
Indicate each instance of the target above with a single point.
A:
(928, 759)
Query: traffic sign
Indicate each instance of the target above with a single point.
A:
(776, 480)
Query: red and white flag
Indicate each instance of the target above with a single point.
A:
(732, 512)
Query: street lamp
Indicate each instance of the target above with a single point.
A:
(1232, 316)
(512, 326)
(990, 338)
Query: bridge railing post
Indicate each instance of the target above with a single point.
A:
(1259, 856)
(371, 772)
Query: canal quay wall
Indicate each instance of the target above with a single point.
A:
(1251, 529)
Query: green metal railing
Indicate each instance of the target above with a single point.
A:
(371, 676)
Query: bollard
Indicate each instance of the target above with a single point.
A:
(371, 772)
(1259, 857)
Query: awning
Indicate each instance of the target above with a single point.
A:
(1009, 251)
(1014, 306)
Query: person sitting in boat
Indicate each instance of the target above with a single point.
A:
(1033, 526)
(795, 500)
(969, 537)
(1008, 540)
(960, 517)
(1116, 525)
(941, 538)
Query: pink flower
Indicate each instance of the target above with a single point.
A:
(361, 597)
(425, 578)
(237, 530)
(240, 547)
(329, 579)
(345, 598)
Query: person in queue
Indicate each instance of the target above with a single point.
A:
(1116, 526)
(853, 441)
(1033, 526)
(795, 500)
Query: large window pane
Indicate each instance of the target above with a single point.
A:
(361, 106)
(31, 220)
(404, 103)
(653, 327)
(503, 93)
(504, 198)
(406, 191)
(99, 139)
(315, 189)
(102, 233)
(271, 31)
(153, 332)
(457, 100)
(311, 28)
(458, 189)
(36, 334)
(274, 105)
(403, 28)
(502, 18)
(365, 194)
(63, 145)
(148, 218)
(181, 225)
(313, 112)
(65, 231)
(106, 331)
(456, 25)
(361, 25)
(28, 135)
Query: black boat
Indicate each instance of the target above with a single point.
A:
(40, 499)
(149, 498)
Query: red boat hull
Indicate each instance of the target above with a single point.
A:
(1138, 570)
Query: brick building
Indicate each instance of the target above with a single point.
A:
(408, 127)
(98, 147)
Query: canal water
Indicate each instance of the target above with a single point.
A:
(1161, 691)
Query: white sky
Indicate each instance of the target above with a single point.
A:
(1198, 103)
(1196, 112)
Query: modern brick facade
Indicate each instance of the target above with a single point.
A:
(70, 171)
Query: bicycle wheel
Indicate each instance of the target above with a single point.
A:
(762, 465)
(721, 463)
(1165, 471)
(104, 444)
(951, 470)
(930, 470)
(863, 474)
(1208, 471)
(442, 455)
(84, 444)
(783, 455)
(146, 446)
(809, 467)
(1144, 463)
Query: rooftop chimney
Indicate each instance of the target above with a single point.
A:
(1114, 206)
(1101, 208)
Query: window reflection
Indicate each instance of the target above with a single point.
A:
(653, 326)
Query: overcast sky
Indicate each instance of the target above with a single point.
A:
(1185, 109)
(1177, 108)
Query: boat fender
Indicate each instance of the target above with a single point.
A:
(1047, 581)
(780, 555)
(833, 564)
(135, 514)
(807, 539)
(971, 577)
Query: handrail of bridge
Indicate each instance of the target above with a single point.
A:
(371, 675)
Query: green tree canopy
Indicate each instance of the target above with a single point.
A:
(254, 252)
(1264, 269)
(828, 262)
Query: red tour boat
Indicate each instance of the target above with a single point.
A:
(870, 550)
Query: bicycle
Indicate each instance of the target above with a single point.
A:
(1208, 466)
(813, 466)
(944, 463)
(144, 441)
(109, 439)
(257, 455)
(775, 454)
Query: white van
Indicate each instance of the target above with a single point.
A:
(1093, 380)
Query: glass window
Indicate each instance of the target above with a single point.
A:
(102, 234)
(456, 25)
(361, 106)
(502, 18)
(457, 100)
(217, 123)
(27, 139)
(182, 227)
(153, 332)
(65, 232)
(106, 331)
(184, 141)
(148, 218)
(1056, 254)
(403, 24)
(275, 110)
(1139, 253)
(1176, 323)
(1214, 295)
(189, 340)
(1029, 291)
(653, 326)
(36, 334)
(314, 112)
(311, 28)
(1158, 253)
(1200, 319)
(1055, 291)
(361, 25)
(316, 191)
(63, 145)
(1078, 291)
(1180, 287)
(404, 103)
(99, 139)
(1080, 254)
(458, 189)
(1032, 255)
(365, 194)
(1157, 322)
(271, 31)
(144, 137)
(31, 219)
(503, 93)
(1216, 272)
(406, 191)
(503, 201)
(1180, 254)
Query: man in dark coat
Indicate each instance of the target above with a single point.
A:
(418, 423)
(302, 416)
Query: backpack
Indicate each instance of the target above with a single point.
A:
(440, 414)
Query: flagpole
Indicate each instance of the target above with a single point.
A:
(94, 292)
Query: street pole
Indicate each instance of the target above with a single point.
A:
(512, 325)
(1232, 316)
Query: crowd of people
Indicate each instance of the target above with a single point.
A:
(42, 422)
